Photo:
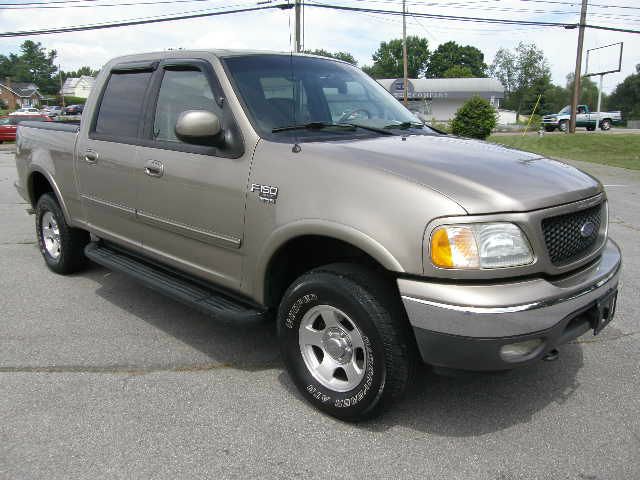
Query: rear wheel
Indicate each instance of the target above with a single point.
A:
(605, 124)
(62, 246)
(345, 341)
(591, 128)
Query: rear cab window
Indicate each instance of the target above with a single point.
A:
(121, 110)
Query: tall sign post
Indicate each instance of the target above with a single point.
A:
(601, 61)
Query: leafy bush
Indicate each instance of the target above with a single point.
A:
(475, 119)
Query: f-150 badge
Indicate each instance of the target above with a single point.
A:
(266, 193)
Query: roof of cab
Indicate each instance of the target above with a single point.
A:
(220, 53)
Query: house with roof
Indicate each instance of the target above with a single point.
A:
(439, 98)
(16, 95)
(78, 87)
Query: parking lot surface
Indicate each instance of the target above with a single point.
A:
(102, 378)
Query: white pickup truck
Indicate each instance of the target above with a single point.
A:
(584, 118)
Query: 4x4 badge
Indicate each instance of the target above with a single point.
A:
(266, 193)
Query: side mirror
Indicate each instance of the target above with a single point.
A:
(198, 126)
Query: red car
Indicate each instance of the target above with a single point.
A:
(9, 125)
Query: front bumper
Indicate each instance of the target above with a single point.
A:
(464, 326)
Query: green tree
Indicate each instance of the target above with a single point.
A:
(457, 71)
(35, 64)
(344, 56)
(387, 60)
(626, 96)
(450, 54)
(476, 118)
(86, 70)
(525, 74)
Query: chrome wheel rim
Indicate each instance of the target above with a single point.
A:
(332, 348)
(51, 235)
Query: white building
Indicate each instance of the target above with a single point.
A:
(78, 87)
(439, 98)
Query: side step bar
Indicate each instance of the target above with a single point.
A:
(189, 291)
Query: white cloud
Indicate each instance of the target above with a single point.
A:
(357, 33)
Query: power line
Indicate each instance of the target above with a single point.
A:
(208, 13)
(94, 5)
(138, 21)
(504, 21)
(598, 5)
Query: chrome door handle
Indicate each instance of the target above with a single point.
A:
(154, 168)
(90, 156)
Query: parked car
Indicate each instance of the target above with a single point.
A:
(26, 111)
(52, 110)
(74, 109)
(236, 182)
(584, 118)
(9, 125)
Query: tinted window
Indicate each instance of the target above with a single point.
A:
(121, 108)
(181, 90)
(280, 90)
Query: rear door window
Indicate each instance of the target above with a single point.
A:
(121, 109)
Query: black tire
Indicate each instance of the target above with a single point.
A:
(549, 129)
(563, 126)
(71, 240)
(374, 307)
(605, 124)
(591, 129)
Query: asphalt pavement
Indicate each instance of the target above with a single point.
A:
(102, 378)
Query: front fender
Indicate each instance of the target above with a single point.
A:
(324, 228)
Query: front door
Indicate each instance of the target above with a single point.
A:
(109, 168)
(193, 196)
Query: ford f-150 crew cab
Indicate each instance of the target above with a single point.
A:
(584, 118)
(253, 185)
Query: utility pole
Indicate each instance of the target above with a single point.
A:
(576, 77)
(61, 92)
(404, 52)
(297, 46)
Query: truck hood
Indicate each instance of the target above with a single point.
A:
(481, 177)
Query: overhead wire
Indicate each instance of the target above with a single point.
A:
(208, 13)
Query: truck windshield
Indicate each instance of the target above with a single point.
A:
(565, 111)
(281, 91)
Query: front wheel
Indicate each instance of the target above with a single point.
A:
(345, 341)
(549, 128)
(563, 126)
(61, 245)
(605, 125)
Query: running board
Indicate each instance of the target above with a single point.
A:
(176, 285)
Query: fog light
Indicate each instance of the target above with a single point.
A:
(514, 352)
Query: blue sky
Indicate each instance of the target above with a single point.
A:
(357, 33)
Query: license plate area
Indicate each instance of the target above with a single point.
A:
(604, 311)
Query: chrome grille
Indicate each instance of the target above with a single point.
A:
(564, 235)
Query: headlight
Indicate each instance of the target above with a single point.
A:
(480, 245)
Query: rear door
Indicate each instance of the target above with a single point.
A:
(109, 168)
(192, 198)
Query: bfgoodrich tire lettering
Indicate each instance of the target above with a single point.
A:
(386, 352)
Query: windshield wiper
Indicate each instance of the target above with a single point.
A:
(323, 125)
(313, 126)
(404, 125)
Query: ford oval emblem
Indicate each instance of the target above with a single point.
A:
(588, 229)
